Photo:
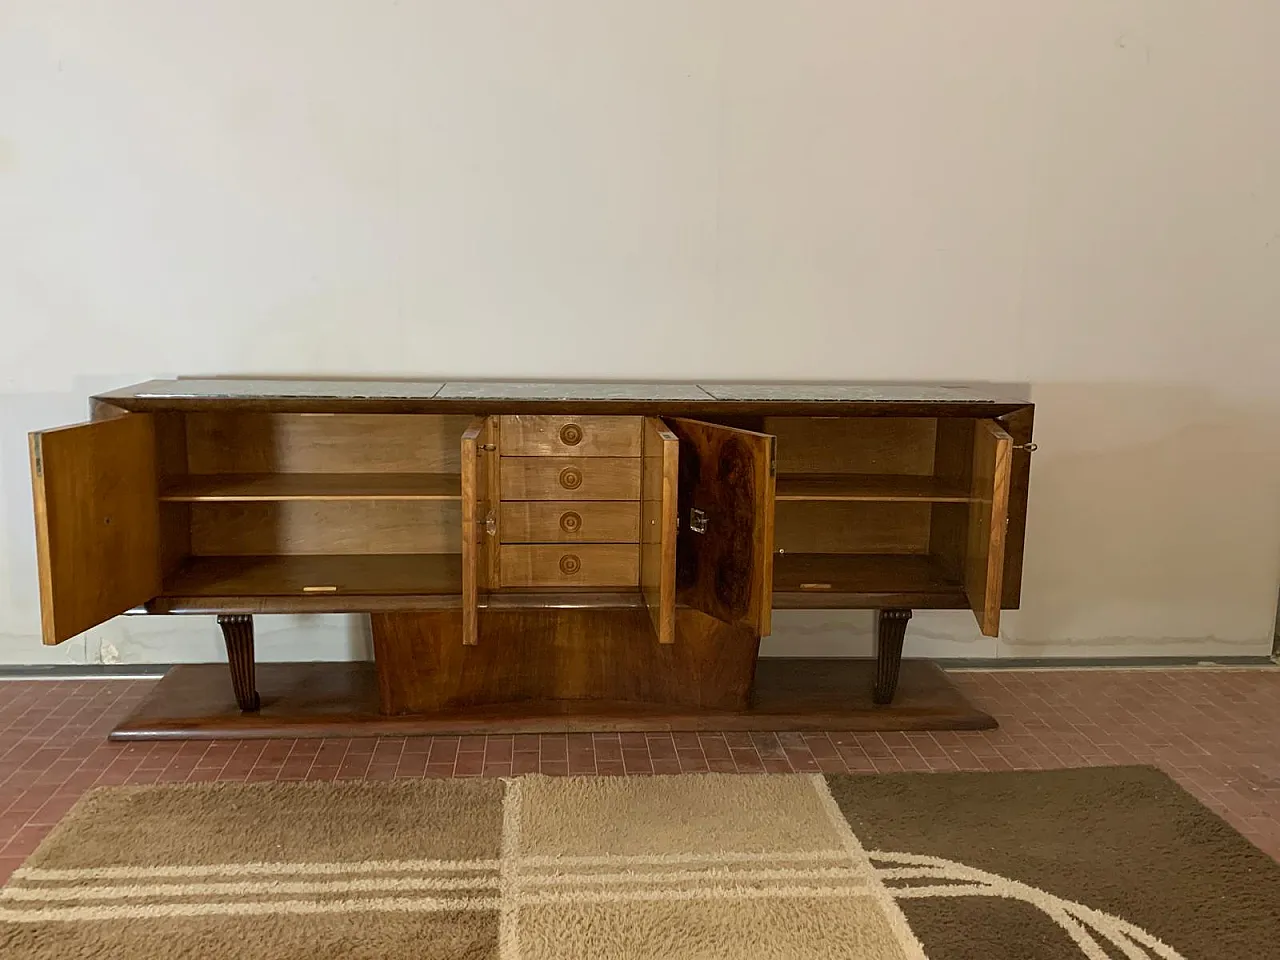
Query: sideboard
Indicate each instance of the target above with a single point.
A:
(536, 555)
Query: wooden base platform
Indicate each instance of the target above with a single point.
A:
(341, 699)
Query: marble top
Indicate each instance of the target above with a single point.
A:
(861, 392)
(285, 389)
(234, 388)
(568, 390)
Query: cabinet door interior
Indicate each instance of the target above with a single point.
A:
(479, 519)
(97, 522)
(659, 480)
(988, 523)
(724, 549)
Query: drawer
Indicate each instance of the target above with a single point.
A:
(570, 478)
(576, 565)
(559, 521)
(545, 436)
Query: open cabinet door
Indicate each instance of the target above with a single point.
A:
(479, 520)
(724, 550)
(988, 523)
(97, 512)
(659, 478)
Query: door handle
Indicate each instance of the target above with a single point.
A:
(697, 520)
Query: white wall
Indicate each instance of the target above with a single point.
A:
(1077, 194)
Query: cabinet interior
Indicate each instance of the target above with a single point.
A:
(286, 503)
(270, 504)
(872, 505)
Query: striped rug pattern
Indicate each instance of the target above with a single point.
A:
(537, 867)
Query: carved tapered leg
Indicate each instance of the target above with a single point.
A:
(891, 628)
(237, 631)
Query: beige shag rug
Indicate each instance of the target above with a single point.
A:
(1105, 864)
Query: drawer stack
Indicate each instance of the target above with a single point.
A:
(570, 501)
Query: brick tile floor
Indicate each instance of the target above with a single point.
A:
(1216, 731)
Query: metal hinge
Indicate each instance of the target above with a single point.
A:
(39, 448)
(1028, 447)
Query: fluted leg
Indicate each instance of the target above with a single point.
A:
(237, 631)
(891, 629)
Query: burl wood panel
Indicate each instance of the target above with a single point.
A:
(555, 655)
(570, 436)
(726, 475)
(1019, 426)
(239, 443)
(97, 522)
(659, 492)
(984, 561)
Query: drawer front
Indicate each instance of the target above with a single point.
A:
(545, 436)
(570, 478)
(570, 565)
(561, 521)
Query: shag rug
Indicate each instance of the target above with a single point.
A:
(1101, 863)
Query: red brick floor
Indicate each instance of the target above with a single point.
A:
(1216, 731)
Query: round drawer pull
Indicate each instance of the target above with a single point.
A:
(570, 564)
(571, 478)
(571, 434)
(570, 521)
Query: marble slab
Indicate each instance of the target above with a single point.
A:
(234, 389)
(859, 392)
(568, 390)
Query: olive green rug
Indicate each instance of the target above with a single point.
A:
(1103, 863)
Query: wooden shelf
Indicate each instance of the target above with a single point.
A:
(817, 580)
(314, 486)
(291, 576)
(869, 487)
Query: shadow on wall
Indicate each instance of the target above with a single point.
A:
(1275, 645)
(1154, 523)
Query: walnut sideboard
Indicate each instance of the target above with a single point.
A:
(536, 555)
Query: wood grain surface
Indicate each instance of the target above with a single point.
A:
(570, 565)
(570, 478)
(659, 505)
(97, 522)
(727, 476)
(570, 436)
(988, 520)
(570, 521)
